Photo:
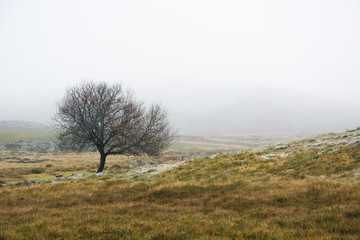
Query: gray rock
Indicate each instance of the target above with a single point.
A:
(352, 142)
(281, 147)
(46, 146)
(59, 179)
(26, 183)
(143, 170)
(100, 174)
(268, 156)
(80, 175)
(316, 145)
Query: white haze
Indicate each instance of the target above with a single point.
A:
(219, 67)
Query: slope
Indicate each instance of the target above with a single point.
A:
(308, 189)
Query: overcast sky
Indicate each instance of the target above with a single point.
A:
(198, 58)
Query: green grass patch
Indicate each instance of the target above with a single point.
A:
(10, 135)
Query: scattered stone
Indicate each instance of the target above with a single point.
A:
(59, 178)
(26, 161)
(100, 174)
(45, 146)
(76, 176)
(268, 156)
(281, 147)
(316, 145)
(353, 142)
(25, 183)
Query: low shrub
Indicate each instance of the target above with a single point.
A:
(37, 170)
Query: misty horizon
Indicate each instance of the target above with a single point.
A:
(218, 68)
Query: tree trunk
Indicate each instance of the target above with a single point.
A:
(102, 163)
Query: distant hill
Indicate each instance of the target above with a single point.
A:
(23, 124)
(11, 131)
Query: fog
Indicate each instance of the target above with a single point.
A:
(218, 67)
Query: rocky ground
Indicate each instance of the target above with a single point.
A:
(325, 142)
(146, 168)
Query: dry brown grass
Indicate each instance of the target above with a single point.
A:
(228, 197)
(124, 209)
(51, 164)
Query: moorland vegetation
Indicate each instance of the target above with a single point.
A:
(307, 189)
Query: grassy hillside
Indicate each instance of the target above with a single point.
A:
(308, 189)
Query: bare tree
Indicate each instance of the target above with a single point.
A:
(111, 120)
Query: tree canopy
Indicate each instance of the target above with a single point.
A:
(110, 119)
